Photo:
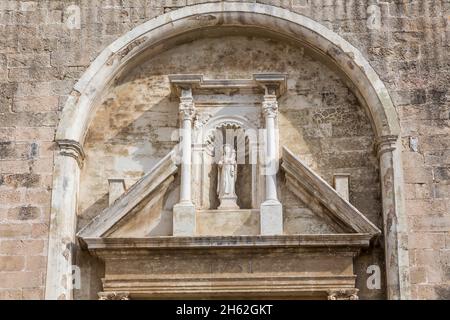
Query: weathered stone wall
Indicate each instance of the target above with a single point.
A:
(45, 45)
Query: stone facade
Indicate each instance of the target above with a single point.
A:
(46, 46)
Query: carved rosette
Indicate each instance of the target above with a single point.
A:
(113, 296)
(270, 106)
(343, 294)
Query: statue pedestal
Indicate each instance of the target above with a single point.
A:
(184, 219)
(228, 203)
(230, 222)
(271, 218)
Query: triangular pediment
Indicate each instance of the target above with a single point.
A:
(310, 188)
(145, 194)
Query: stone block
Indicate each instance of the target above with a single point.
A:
(227, 222)
(21, 279)
(22, 247)
(418, 175)
(26, 60)
(12, 263)
(10, 294)
(37, 197)
(441, 174)
(418, 191)
(421, 240)
(416, 207)
(437, 158)
(14, 151)
(34, 134)
(418, 275)
(271, 219)
(33, 294)
(412, 159)
(431, 223)
(35, 73)
(422, 257)
(14, 166)
(17, 230)
(184, 220)
(36, 263)
(441, 190)
(23, 213)
(39, 230)
(25, 180)
(10, 197)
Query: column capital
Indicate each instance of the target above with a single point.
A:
(113, 296)
(186, 111)
(270, 106)
(71, 148)
(343, 294)
(386, 144)
(187, 106)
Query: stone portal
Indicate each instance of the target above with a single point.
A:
(239, 250)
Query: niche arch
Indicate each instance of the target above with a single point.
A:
(210, 135)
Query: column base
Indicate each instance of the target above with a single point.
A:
(184, 219)
(271, 218)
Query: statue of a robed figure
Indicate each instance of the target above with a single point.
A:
(226, 182)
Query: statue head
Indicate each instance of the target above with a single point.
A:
(227, 149)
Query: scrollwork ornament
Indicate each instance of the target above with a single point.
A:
(187, 110)
(343, 294)
(270, 107)
(113, 296)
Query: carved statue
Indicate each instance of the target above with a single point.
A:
(226, 180)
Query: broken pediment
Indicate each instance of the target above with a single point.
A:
(137, 210)
(331, 207)
(311, 206)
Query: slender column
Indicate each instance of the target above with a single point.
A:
(394, 220)
(186, 112)
(271, 209)
(184, 211)
(270, 109)
(61, 274)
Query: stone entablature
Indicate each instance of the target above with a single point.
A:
(301, 266)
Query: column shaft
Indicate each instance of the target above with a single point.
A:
(186, 160)
(60, 279)
(394, 221)
(184, 211)
(271, 175)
